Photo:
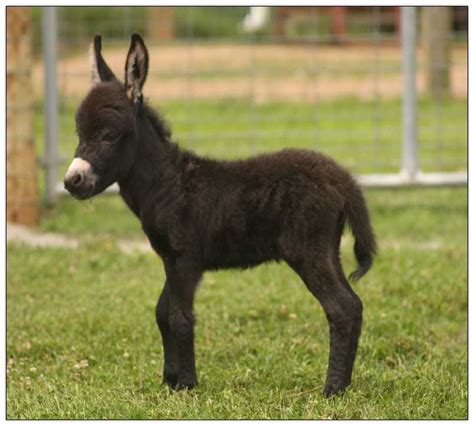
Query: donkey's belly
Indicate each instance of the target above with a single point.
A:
(230, 262)
(237, 253)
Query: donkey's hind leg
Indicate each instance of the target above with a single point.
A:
(343, 310)
(171, 362)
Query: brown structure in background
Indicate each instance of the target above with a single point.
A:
(435, 39)
(160, 23)
(22, 190)
(338, 17)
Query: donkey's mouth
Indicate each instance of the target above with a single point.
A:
(79, 193)
(83, 196)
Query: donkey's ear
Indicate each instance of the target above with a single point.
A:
(100, 71)
(136, 68)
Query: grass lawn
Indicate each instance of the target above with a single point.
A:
(82, 341)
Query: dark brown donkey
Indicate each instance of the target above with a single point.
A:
(201, 214)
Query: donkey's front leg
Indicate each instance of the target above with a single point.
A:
(182, 286)
(171, 362)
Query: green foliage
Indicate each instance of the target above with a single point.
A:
(82, 342)
(209, 22)
(77, 25)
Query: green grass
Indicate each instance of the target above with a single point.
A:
(82, 342)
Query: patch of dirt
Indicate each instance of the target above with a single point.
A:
(34, 238)
(263, 72)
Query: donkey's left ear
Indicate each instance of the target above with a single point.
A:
(136, 68)
(100, 71)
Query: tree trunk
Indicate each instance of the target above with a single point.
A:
(22, 189)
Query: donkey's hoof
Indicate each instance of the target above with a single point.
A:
(185, 385)
(170, 379)
(332, 390)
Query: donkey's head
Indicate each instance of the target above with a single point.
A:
(106, 123)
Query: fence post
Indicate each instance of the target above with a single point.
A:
(49, 24)
(22, 178)
(410, 125)
(435, 41)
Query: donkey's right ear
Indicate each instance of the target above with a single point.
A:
(100, 71)
(136, 68)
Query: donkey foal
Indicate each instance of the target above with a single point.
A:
(200, 214)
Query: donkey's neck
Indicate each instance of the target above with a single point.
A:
(156, 168)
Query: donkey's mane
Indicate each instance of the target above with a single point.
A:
(175, 154)
(158, 122)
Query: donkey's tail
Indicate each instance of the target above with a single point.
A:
(365, 246)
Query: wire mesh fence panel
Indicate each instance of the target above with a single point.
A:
(322, 78)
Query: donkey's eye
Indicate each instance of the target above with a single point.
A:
(111, 136)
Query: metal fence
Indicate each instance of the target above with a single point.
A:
(361, 98)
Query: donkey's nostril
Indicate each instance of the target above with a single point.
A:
(76, 180)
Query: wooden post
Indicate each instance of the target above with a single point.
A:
(22, 182)
(338, 23)
(435, 38)
(160, 23)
